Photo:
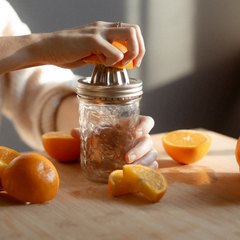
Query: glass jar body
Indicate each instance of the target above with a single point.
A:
(106, 135)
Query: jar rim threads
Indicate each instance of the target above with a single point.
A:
(127, 91)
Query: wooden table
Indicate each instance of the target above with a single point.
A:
(202, 202)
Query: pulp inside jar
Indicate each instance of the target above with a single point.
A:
(107, 147)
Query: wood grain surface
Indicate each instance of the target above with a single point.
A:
(202, 202)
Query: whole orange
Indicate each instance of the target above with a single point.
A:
(61, 146)
(237, 151)
(31, 178)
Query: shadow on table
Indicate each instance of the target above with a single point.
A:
(100, 192)
(7, 200)
(201, 182)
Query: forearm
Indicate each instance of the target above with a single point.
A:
(18, 52)
(67, 115)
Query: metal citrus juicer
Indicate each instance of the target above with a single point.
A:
(109, 107)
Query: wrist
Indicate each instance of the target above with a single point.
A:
(41, 49)
(35, 50)
(18, 52)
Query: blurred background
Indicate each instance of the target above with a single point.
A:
(191, 70)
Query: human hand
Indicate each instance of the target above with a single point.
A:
(143, 153)
(66, 48)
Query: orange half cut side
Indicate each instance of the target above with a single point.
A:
(186, 146)
(61, 146)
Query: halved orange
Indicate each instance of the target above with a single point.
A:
(31, 177)
(118, 185)
(61, 146)
(122, 46)
(186, 146)
(148, 181)
(6, 156)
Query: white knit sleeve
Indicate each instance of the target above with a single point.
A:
(30, 97)
(30, 100)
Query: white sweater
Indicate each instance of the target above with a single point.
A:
(30, 97)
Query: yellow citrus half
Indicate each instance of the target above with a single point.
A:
(6, 156)
(118, 185)
(148, 181)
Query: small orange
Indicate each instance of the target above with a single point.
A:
(6, 156)
(148, 181)
(61, 146)
(186, 146)
(237, 151)
(31, 178)
(118, 185)
(122, 46)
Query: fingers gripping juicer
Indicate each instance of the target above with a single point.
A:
(109, 107)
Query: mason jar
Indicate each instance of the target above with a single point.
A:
(108, 117)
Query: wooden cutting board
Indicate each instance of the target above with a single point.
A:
(202, 202)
